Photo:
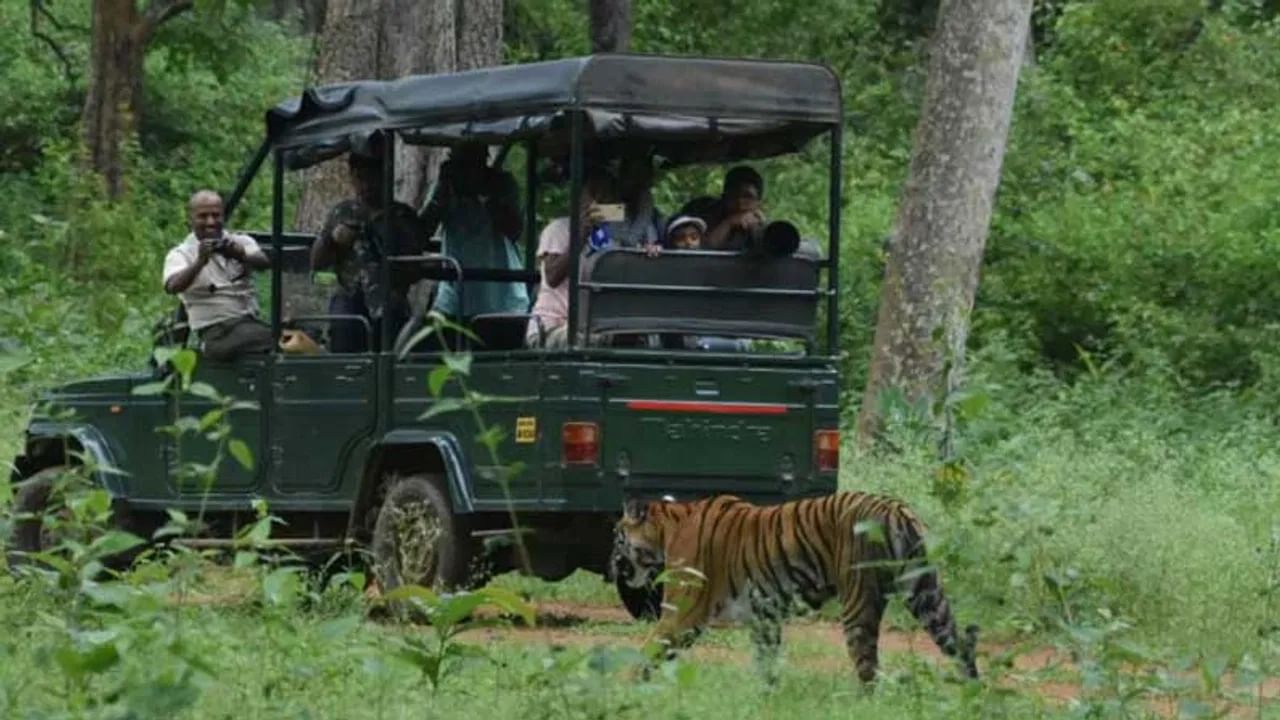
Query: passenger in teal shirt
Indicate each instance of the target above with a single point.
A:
(479, 208)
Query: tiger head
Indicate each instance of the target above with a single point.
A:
(638, 555)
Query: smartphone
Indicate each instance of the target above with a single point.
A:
(612, 212)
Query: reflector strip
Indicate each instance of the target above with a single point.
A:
(714, 408)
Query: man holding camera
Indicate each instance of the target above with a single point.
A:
(478, 207)
(212, 271)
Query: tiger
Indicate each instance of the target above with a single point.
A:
(756, 563)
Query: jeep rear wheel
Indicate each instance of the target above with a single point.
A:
(417, 540)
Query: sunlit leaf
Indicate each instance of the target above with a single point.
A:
(437, 378)
(442, 406)
(204, 390)
(241, 452)
(151, 388)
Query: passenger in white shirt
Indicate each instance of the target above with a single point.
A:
(212, 271)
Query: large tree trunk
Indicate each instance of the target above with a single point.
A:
(942, 223)
(114, 99)
(365, 39)
(610, 25)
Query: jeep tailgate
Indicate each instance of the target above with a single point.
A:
(705, 429)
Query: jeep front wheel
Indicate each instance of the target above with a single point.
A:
(417, 540)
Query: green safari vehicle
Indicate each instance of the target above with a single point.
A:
(345, 456)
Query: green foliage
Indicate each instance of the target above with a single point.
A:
(1110, 486)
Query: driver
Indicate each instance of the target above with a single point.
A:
(212, 271)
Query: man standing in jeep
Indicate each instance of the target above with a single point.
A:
(212, 271)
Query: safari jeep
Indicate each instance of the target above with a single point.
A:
(344, 455)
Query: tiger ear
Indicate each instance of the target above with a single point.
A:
(635, 510)
(668, 498)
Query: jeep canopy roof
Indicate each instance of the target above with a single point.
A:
(692, 109)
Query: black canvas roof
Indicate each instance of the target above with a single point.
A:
(691, 108)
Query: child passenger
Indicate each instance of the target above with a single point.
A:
(685, 232)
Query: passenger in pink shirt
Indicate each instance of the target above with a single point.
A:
(549, 326)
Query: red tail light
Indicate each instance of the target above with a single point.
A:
(580, 443)
(826, 450)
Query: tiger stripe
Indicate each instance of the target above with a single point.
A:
(758, 560)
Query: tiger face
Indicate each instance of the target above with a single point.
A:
(638, 555)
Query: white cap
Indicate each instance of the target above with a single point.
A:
(686, 220)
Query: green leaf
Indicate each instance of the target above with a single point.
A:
(204, 390)
(241, 452)
(164, 354)
(413, 592)
(184, 361)
(10, 361)
(281, 587)
(971, 405)
(90, 661)
(151, 388)
(211, 418)
(417, 337)
(442, 406)
(114, 543)
(492, 437)
(437, 379)
(459, 363)
(510, 603)
(455, 608)
(339, 628)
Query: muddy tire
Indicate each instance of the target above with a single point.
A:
(417, 540)
(32, 498)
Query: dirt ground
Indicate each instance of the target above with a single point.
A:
(581, 625)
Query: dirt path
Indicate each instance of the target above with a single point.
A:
(577, 625)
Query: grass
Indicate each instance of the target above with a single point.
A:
(1123, 523)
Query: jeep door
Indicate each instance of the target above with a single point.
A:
(244, 380)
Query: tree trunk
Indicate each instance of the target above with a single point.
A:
(113, 103)
(115, 88)
(610, 25)
(363, 39)
(941, 229)
(347, 50)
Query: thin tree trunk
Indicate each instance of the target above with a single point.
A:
(113, 103)
(115, 87)
(610, 25)
(941, 229)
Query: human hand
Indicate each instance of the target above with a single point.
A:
(344, 235)
(207, 248)
(229, 248)
(652, 250)
(749, 220)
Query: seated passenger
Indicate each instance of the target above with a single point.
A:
(212, 271)
(641, 226)
(735, 217)
(548, 328)
(350, 244)
(684, 232)
(479, 207)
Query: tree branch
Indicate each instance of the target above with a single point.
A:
(38, 9)
(159, 12)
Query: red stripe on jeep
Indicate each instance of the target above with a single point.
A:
(716, 408)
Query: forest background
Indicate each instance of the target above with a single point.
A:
(1118, 424)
